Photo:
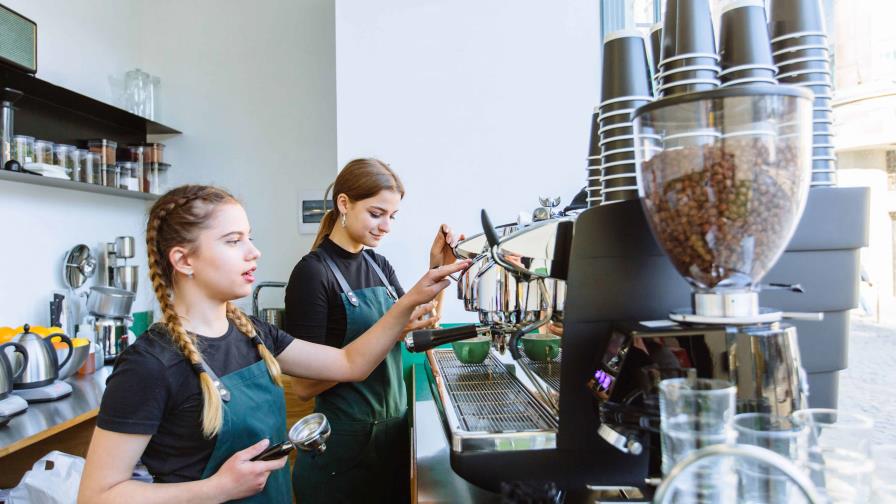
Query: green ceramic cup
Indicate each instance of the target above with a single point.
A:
(473, 350)
(541, 347)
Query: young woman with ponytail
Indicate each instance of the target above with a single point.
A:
(335, 293)
(198, 395)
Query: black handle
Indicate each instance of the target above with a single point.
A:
(275, 452)
(65, 339)
(426, 339)
(18, 349)
(490, 234)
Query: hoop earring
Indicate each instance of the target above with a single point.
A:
(343, 220)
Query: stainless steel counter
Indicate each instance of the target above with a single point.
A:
(436, 481)
(42, 420)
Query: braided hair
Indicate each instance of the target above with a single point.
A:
(176, 219)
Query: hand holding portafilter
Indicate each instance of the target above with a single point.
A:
(310, 434)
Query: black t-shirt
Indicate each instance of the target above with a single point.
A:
(154, 390)
(314, 309)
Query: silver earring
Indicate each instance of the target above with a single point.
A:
(190, 274)
(343, 220)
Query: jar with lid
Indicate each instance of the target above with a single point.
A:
(154, 177)
(152, 153)
(106, 150)
(43, 152)
(91, 167)
(128, 176)
(23, 149)
(110, 175)
(135, 153)
(66, 156)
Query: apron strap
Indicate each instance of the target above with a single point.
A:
(352, 298)
(379, 273)
(222, 390)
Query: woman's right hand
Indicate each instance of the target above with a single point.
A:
(433, 282)
(240, 477)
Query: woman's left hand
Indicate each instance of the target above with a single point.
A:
(442, 251)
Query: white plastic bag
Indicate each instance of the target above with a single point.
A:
(54, 479)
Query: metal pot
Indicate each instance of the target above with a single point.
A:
(110, 302)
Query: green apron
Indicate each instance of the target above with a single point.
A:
(254, 409)
(367, 457)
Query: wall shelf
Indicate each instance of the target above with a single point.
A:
(54, 113)
(28, 178)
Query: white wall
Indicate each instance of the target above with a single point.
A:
(475, 104)
(79, 45)
(253, 90)
(251, 87)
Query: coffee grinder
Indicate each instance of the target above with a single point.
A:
(724, 179)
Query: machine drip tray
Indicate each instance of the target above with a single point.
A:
(485, 408)
(548, 371)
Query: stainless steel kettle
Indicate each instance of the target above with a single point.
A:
(7, 375)
(41, 367)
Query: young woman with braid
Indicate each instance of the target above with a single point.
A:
(198, 395)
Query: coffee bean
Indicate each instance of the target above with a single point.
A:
(723, 212)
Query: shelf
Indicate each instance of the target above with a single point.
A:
(54, 113)
(27, 178)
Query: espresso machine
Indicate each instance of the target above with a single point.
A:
(635, 311)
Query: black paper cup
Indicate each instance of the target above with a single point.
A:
(626, 72)
(822, 127)
(822, 152)
(815, 77)
(803, 63)
(688, 73)
(631, 103)
(616, 196)
(616, 129)
(821, 91)
(610, 143)
(656, 40)
(801, 51)
(685, 87)
(743, 42)
(822, 113)
(827, 103)
(795, 16)
(618, 169)
(625, 181)
(793, 41)
(594, 142)
(593, 171)
(687, 30)
(618, 156)
(823, 179)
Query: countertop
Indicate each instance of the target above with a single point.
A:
(436, 482)
(42, 420)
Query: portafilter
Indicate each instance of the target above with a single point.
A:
(310, 433)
